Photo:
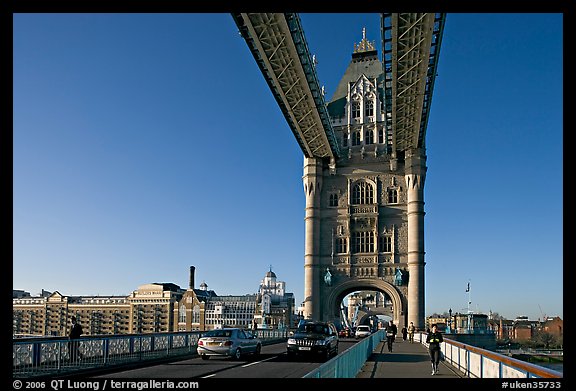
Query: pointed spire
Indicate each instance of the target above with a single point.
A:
(364, 45)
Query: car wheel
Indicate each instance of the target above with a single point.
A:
(237, 354)
(205, 356)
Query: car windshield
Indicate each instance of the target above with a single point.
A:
(218, 333)
(363, 328)
(312, 328)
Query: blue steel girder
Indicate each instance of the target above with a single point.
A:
(410, 51)
(279, 47)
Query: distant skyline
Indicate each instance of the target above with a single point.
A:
(144, 144)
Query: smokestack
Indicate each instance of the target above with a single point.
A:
(191, 283)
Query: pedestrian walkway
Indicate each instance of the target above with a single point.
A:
(407, 360)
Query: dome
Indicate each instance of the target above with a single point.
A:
(270, 274)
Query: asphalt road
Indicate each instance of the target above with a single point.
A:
(272, 363)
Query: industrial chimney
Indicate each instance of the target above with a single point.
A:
(191, 283)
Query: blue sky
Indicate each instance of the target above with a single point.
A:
(146, 143)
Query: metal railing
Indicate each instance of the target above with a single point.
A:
(348, 363)
(33, 357)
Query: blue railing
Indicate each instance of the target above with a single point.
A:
(348, 363)
(32, 357)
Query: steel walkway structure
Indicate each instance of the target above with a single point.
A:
(410, 50)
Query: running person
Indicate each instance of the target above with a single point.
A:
(391, 331)
(434, 339)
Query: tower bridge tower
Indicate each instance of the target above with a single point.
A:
(364, 214)
(364, 156)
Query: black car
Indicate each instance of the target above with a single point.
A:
(314, 338)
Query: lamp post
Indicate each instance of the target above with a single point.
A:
(450, 320)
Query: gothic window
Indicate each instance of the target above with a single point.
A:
(196, 314)
(369, 108)
(369, 137)
(381, 136)
(363, 242)
(356, 138)
(342, 246)
(333, 199)
(392, 196)
(355, 109)
(362, 193)
(182, 314)
(386, 244)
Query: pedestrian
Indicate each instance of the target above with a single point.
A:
(254, 327)
(73, 343)
(404, 333)
(391, 331)
(411, 330)
(434, 339)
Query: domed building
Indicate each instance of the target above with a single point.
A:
(275, 306)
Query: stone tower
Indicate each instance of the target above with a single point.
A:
(364, 216)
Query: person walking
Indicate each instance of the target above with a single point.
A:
(404, 333)
(411, 330)
(75, 333)
(434, 339)
(391, 331)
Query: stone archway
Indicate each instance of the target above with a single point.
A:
(331, 300)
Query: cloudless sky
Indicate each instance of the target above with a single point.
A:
(147, 143)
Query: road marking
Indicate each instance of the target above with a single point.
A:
(258, 362)
(204, 377)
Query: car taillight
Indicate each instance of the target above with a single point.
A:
(200, 343)
(228, 343)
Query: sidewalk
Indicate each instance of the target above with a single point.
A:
(407, 360)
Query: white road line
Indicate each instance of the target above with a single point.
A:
(204, 377)
(258, 362)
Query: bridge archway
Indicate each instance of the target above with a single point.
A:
(332, 299)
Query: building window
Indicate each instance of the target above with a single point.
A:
(355, 109)
(182, 314)
(381, 136)
(369, 108)
(369, 137)
(345, 139)
(333, 199)
(342, 245)
(362, 193)
(386, 244)
(363, 242)
(392, 196)
(196, 314)
(355, 138)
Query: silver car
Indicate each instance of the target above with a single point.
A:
(228, 342)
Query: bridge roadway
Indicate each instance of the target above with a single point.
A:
(406, 361)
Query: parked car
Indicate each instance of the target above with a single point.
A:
(228, 342)
(314, 338)
(362, 331)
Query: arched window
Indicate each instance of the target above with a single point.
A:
(356, 138)
(369, 106)
(362, 193)
(355, 109)
(392, 196)
(196, 314)
(182, 314)
(369, 137)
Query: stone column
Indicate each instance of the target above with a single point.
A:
(312, 180)
(415, 175)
